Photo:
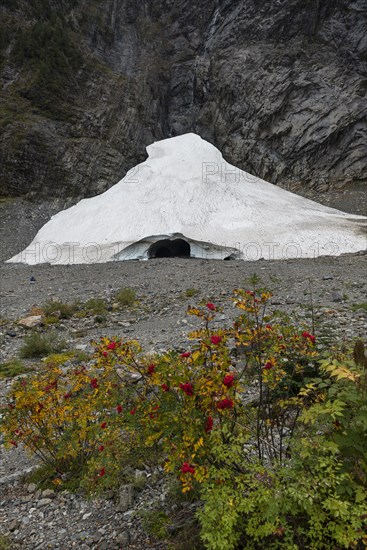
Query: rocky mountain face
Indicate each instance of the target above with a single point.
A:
(278, 85)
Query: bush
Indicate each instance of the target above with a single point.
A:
(271, 434)
(95, 306)
(59, 310)
(126, 297)
(37, 345)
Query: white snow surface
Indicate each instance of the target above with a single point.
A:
(186, 190)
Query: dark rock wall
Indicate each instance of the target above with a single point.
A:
(278, 85)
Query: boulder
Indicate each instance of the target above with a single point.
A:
(31, 321)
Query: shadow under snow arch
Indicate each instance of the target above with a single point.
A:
(167, 248)
(175, 245)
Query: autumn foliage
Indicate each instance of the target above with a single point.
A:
(251, 416)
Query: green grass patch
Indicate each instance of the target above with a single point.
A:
(59, 310)
(56, 310)
(50, 320)
(12, 368)
(45, 478)
(191, 292)
(38, 345)
(126, 297)
(155, 523)
(95, 306)
(4, 543)
(81, 356)
(75, 355)
(356, 307)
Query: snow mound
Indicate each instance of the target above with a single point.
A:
(185, 200)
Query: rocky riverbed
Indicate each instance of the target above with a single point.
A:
(329, 294)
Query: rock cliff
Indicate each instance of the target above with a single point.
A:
(279, 86)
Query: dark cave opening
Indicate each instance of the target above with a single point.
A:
(169, 249)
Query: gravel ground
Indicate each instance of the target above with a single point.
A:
(161, 286)
(334, 289)
(33, 519)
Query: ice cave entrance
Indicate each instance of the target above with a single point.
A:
(169, 249)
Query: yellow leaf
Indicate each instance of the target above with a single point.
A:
(199, 444)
